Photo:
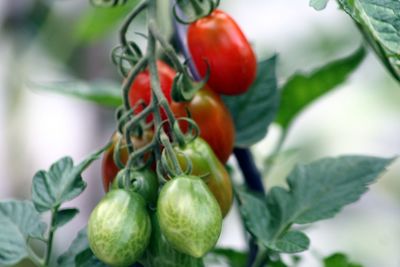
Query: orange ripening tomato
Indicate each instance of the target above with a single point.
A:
(141, 87)
(217, 40)
(213, 118)
(108, 167)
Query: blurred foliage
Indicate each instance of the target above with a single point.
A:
(379, 22)
(302, 89)
(100, 92)
(339, 260)
(96, 22)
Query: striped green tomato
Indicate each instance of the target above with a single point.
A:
(119, 228)
(189, 215)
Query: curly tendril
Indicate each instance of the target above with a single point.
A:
(131, 117)
(125, 57)
(197, 9)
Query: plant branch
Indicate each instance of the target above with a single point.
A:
(127, 84)
(138, 9)
(51, 236)
(253, 179)
(168, 49)
(261, 258)
(180, 37)
(249, 169)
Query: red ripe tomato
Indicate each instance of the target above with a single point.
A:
(141, 88)
(218, 41)
(213, 118)
(108, 167)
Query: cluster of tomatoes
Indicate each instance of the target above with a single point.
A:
(188, 209)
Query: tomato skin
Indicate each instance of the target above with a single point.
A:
(119, 228)
(204, 162)
(141, 87)
(218, 40)
(213, 118)
(108, 168)
(145, 182)
(189, 215)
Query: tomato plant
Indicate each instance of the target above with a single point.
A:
(213, 118)
(165, 171)
(216, 42)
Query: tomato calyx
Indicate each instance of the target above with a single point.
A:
(143, 182)
(185, 87)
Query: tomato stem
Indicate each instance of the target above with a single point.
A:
(261, 259)
(158, 96)
(180, 37)
(197, 8)
(138, 9)
(249, 169)
(51, 236)
(127, 84)
(168, 49)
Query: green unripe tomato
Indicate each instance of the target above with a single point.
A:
(206, 164)
(119, 228)
(144, 182)
(189, 215)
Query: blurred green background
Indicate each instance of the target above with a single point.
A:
(42, 41)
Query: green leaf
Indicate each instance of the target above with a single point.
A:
(101, 92)
(317, 191)
(291, 242)
(301, 89)
(339, 260)
(97, 22)
(256, 109)
(254, 210)
(320, 189)
(235, 258)
(61, 183)
(349, 7)
(383, 19)
(19, 221)
(79, 253)
(318, 4)
(259, 221)
(64, 216)
(379, 22)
